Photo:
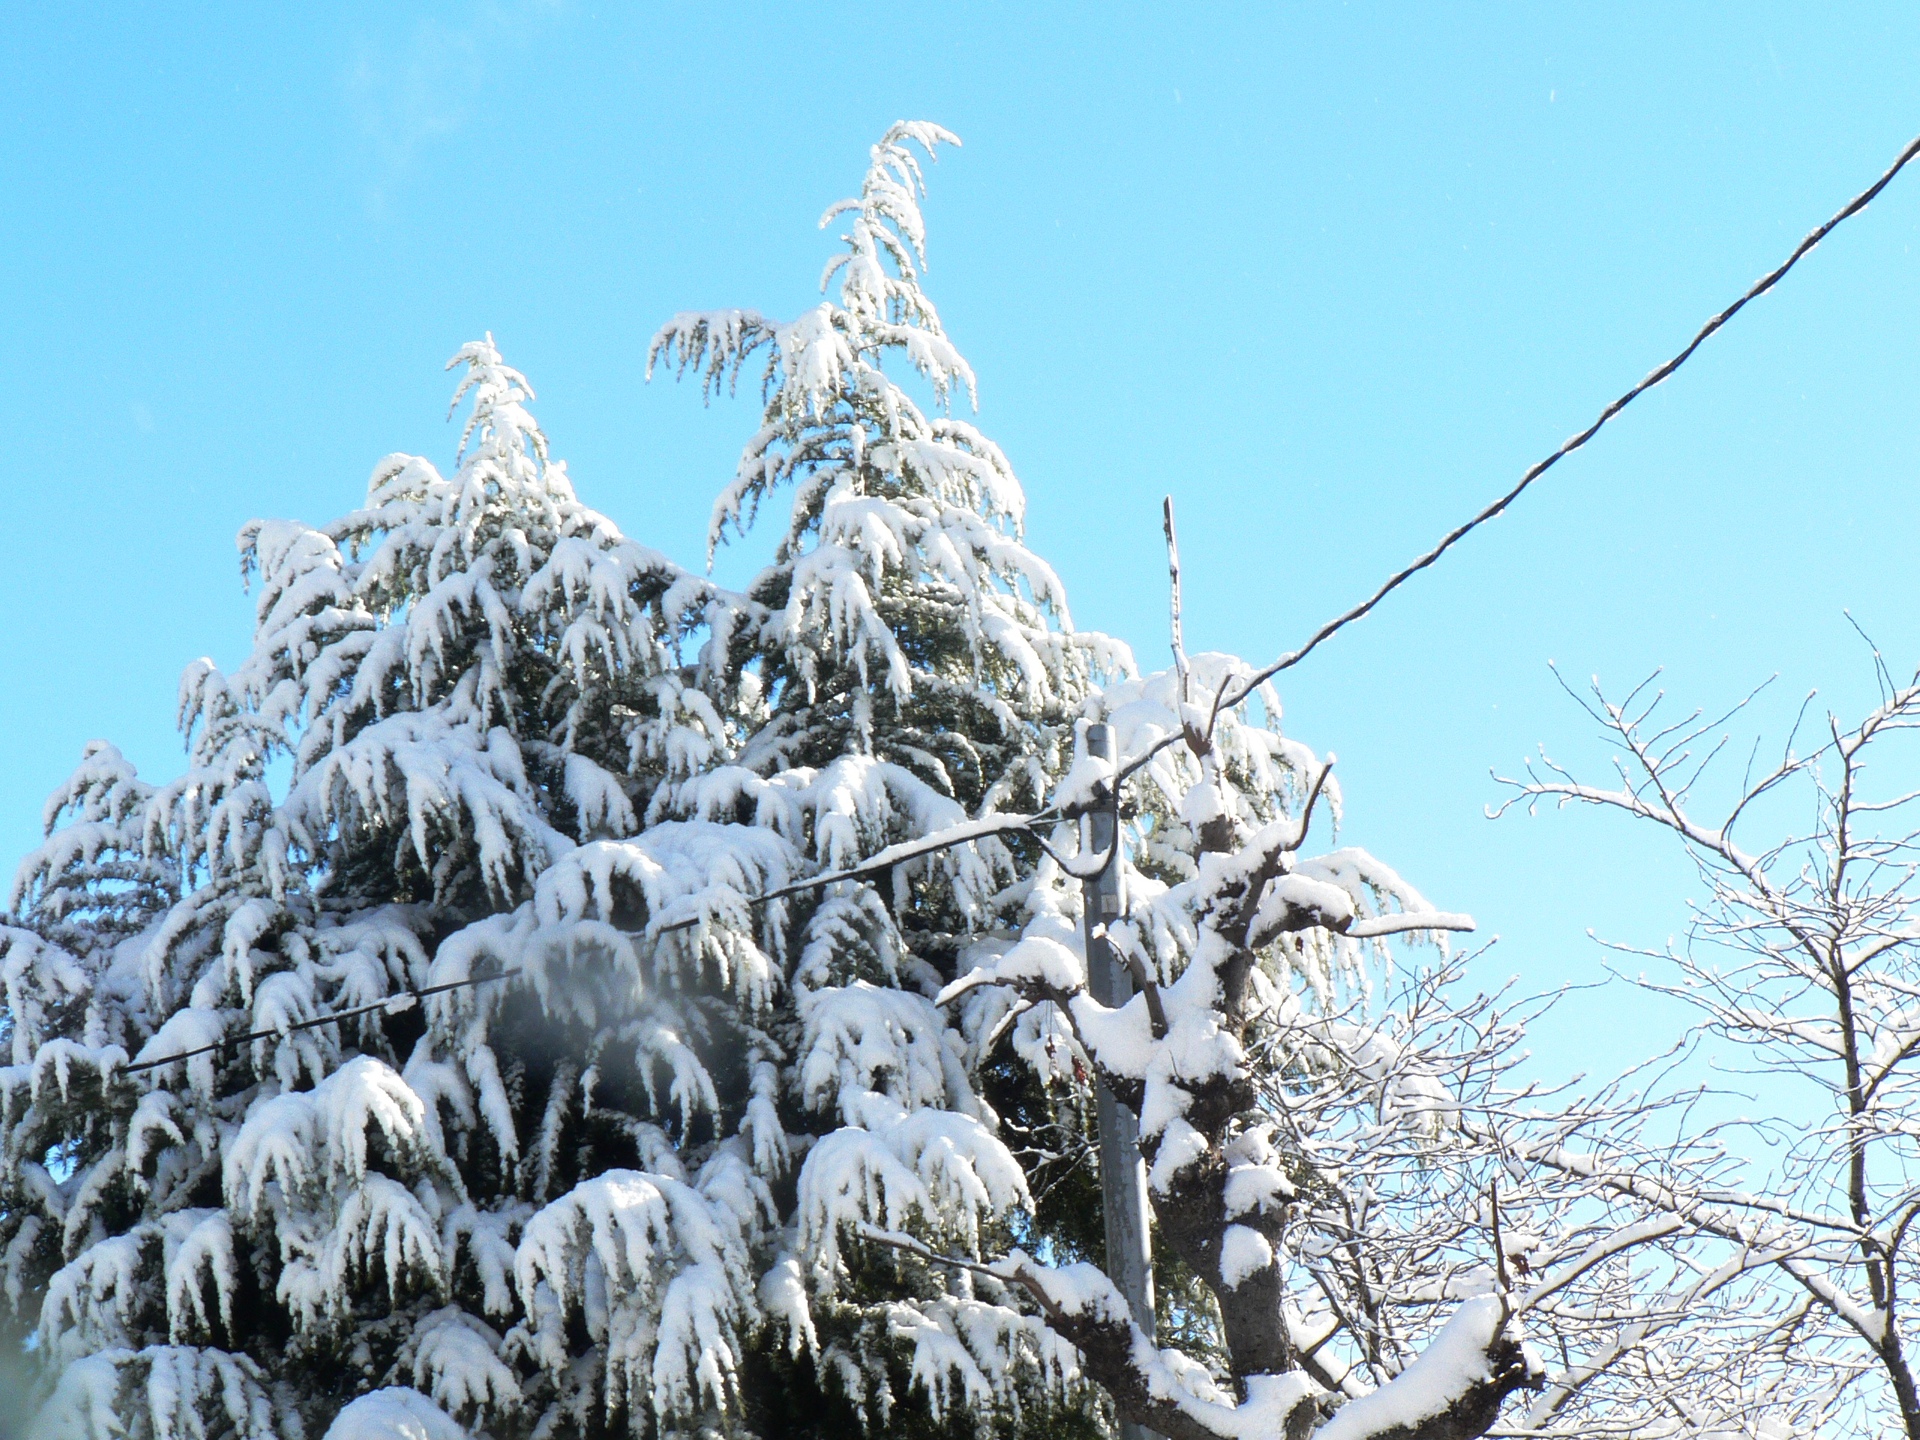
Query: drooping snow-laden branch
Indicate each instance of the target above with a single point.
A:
(966, 833)
(963, 834)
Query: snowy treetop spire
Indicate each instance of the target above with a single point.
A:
(888, 227)
(903, 550)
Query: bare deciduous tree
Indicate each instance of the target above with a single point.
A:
(1800, 963)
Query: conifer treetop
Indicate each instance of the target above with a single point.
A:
(902, 519)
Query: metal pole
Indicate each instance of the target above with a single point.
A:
(1123, 1174)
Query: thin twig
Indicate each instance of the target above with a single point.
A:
(1016, 1274)
(1499, 1243)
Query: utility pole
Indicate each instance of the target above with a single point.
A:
(1123, 1174)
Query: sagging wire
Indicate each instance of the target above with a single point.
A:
(398, 1004)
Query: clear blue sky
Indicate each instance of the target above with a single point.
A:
(1332, 275)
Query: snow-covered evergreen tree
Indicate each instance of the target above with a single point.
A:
(902, 622)
(472, 679)
(713, 1050)
(917, 671)
(548, 1200)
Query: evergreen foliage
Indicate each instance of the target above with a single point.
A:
(570, 1197)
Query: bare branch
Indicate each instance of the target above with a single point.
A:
(1173, 591)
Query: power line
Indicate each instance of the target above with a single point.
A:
(392, 1005)
(1452, 537)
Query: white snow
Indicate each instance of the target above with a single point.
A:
(1450, 1365)
(395, 1413)
(1243, 1251)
